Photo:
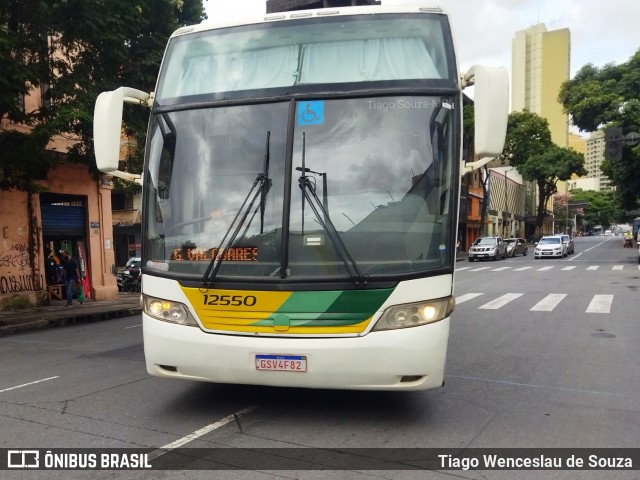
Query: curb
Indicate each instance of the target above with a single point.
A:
(47, 319)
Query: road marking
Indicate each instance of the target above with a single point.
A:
(30, 383)
(462, 268)
(521, 269)
(593, 267)
(569, 268)
(478, 269)
(465, 297)
(209, 428)
(133, 326)
(617, 267)
(548, 303)
(600, 304)
(500, 269)
(542, 269)
(500, 301)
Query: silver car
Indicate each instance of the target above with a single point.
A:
(487, 247)
(568, 241)
(516, 246)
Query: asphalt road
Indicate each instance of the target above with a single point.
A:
(543, 353)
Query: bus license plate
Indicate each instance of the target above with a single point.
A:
(281, 363)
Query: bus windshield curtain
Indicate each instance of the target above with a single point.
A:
(322, 63)
(368, 60)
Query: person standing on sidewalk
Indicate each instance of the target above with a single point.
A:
(71, 274)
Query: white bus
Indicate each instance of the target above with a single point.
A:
(301, 191)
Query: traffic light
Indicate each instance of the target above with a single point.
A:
(613, 143)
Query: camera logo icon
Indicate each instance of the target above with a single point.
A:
(23, 459)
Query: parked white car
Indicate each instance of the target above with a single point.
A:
(551, 246)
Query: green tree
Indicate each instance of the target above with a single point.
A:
(77, 48)
(23, 66)
(600, 207)
(605, 97)
(528, 148)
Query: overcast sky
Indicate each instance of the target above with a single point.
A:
(602, 31)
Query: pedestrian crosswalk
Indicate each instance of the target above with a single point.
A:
(546, 268)
(548, 303)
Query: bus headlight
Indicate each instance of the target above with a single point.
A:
(167, 311)
(414, 314)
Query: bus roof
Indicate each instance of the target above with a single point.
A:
(303, 14)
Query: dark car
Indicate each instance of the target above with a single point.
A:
(487, 247)
(516, 246)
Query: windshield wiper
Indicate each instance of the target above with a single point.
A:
(260, 187)
(323, 218)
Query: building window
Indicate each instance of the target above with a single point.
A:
(20, 102)
(121, 201)
(117, 201)
(46, 95)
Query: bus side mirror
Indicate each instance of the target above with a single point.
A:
(491, 112)
(107, 128)
(491, 108)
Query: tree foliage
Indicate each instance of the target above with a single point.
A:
(599, 209)
(605, 97)
(78, 48)
(529, 149)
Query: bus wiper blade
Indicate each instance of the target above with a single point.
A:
(322, 217)
(260, 187)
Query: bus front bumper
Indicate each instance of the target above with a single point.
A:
(404, 359)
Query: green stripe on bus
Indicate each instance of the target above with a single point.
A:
(330, 308)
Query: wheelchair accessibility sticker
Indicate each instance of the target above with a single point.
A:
(311, 112)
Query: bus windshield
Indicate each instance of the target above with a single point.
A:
(294, 54)
(369, 183)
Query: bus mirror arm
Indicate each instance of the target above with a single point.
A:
(473, 166)
(129, 177)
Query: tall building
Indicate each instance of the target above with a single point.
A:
(593, 157)
(540, 63)
(578, 143)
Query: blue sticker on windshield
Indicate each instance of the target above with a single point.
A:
(311, 112)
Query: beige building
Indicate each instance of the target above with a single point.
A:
(583, 183)
(540, 63)
(71, 213)
(593, 157)
(578, 143)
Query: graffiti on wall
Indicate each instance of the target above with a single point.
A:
(16, 274)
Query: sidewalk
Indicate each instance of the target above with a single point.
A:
(58, 314)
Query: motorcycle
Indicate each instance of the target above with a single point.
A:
(127, 281)
(627, 243)
(131, 280)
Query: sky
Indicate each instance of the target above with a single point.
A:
(601, 31)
